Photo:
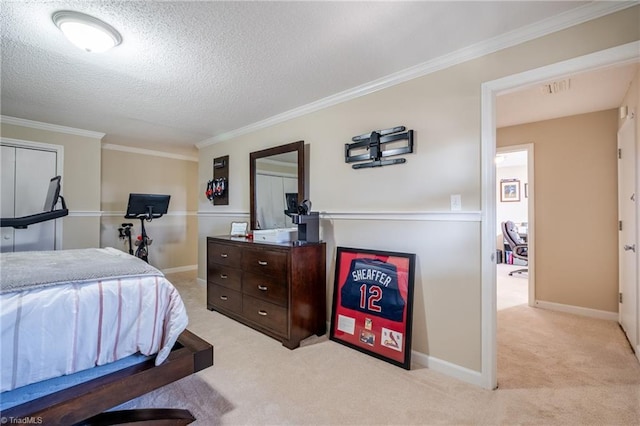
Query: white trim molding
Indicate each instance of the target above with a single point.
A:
(88, 213)
(577, 310)
(50, 127)
(177, 269)
(203, 213)
(452, 370)
(424, 216)
(169, 213)
(144, 151)
(559, 22)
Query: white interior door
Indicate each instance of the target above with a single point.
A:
(26, 173)
(627, 251)
(34, 170)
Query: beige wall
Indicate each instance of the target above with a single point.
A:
(576, 210)
(444, 110)
(80, 182)
(175, 234)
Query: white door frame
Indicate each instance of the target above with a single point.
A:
(626, 53)
(630, 327)
(531, 220)
(59, 150)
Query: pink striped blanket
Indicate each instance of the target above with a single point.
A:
(60, 329)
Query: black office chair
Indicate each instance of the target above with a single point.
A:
(517, 244)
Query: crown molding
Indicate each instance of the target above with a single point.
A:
(50, 127)
(545, 27)
(143, 151)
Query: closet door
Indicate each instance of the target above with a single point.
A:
(26, 174)
(34, 170)
(7, 194)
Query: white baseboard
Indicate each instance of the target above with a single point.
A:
(447, 368)
(202, 282)
(180, 269)
(577, 310)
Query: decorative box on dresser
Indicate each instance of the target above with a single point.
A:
(276, 288)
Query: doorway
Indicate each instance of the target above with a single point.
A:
(513, 285)
(627, 53)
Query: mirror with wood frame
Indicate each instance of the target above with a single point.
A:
(276, 185)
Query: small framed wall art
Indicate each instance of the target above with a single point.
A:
(373, 303)
(509, 190)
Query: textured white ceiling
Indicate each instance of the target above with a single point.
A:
(189, 71)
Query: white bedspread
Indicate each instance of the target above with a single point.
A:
(53, 331)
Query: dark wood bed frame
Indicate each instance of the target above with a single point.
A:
(85, 403)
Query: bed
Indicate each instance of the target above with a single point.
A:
(69, 313)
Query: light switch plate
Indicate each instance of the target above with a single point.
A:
(456, 202)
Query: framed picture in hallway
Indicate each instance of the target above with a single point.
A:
(509, 190)
(372, 307)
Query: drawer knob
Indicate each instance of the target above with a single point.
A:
(262, 263)
(224, 255)
(262, 287)
(224, 298)
(224, 276)
(263, 313)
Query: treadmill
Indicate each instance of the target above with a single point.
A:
(49, 210)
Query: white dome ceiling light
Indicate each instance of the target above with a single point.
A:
(86, 32)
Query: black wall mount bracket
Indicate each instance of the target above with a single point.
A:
(377, 145)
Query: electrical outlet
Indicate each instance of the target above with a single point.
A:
(456, 202)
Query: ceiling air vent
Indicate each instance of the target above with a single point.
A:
(555, 87)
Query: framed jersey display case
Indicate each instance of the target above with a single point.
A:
(373, 303)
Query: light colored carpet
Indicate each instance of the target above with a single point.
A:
(511, 291)
(554, 368)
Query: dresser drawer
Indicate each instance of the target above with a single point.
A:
(223, 254)
(224, 298)
(270, 262)
(225, 276)
(265, 287)
(265, 314)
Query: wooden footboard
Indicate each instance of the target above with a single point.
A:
(80, 402)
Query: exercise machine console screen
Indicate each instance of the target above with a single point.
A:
(147, 206)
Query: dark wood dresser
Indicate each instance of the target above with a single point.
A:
(276, 288)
